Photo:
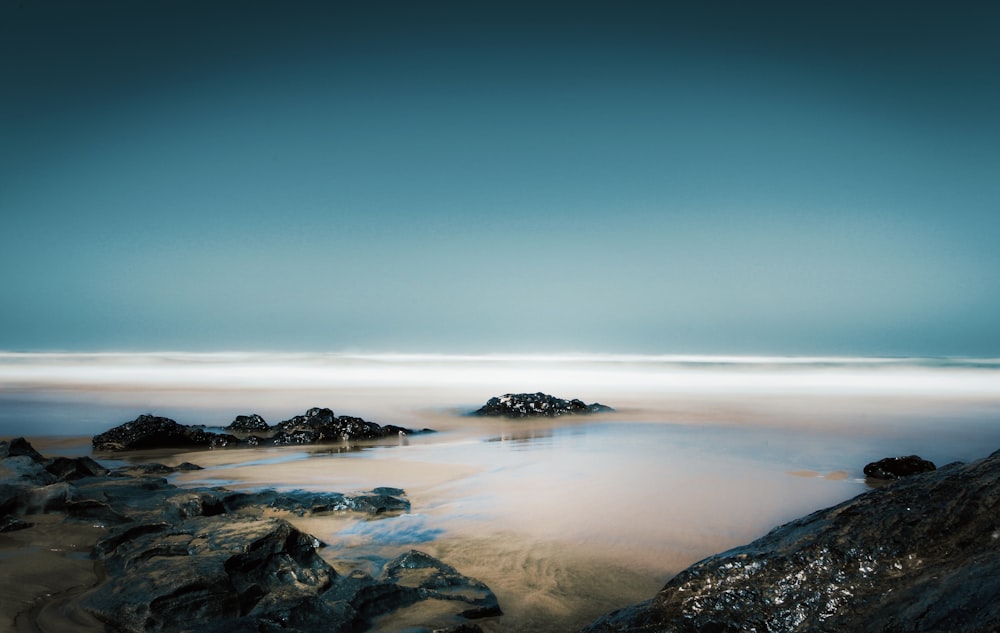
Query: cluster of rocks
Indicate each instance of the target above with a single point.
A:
(317, 425)
(522, 405)
(918, 554)
(212, 560)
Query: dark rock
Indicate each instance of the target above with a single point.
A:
(66, 469)
(317, 425)
(12, 524)
(919, 555)
(896, 467)
(148, 431)
(521, 405)
(19, 447)
(163, 579)
(304, 502)
(210, 560)
(248, 424)
(139, 470)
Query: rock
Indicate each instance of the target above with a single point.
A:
(66, 469)
(317, 425)
(248, 424)
(148, 431)
(520, 405)
(304, 502)
(19, 447)
(210, 560)
(919, 555)
(896, 467)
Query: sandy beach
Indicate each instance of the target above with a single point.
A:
(565, 519)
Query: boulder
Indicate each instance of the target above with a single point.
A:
(920, 554)
(252, 423)
(896, 467)
(521, 405)
(149, 431)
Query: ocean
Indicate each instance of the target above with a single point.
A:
(564, 519)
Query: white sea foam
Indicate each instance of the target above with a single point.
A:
(507, 372)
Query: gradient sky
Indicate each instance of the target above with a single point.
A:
(712, 177)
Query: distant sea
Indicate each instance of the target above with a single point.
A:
(84, 393)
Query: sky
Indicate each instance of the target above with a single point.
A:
(640, 177)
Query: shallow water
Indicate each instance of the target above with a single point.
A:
(563, 519)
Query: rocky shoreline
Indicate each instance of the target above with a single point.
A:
(918, 554)
(210, 559)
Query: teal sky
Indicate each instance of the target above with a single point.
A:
(719, 177)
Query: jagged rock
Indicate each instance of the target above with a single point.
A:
(896, 467)
(148, 431)
(205, 568)
(920, 554)
(304, 502)
(210, 560)
(248, 424)
(320, 424)
(315, 426)
(66, 469)
(521, 405)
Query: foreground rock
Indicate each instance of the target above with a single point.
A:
(317, 425)
(897, 467)
(919, 554)
(214, 560)
(522, 405)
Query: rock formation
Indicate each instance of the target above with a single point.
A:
(212, 560)
(896, 467)
(918, 554)
(316, 426)
(521, 405)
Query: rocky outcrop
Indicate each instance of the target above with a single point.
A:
(316, 426)
(522, 405)
(211, 560)
(149, 431)
(918, 554)
(252, 423)
(897, 467)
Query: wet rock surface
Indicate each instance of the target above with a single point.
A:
(317, 425)
(918, 554)
(897, 467)
(212, 559)
(521, 405)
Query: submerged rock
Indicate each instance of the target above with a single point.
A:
(896, 467)
(921, 554)
(521, 405)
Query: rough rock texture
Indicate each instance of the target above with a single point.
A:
(896, 467)
(919, 554)
(213, 560)
(317, 425)
(521, 405)
(148, 431)
(252, 423)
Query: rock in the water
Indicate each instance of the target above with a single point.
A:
(317, 425)
(896, 467)
(149, 431)
(919, 555)
(521, 405)
(252, 423)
